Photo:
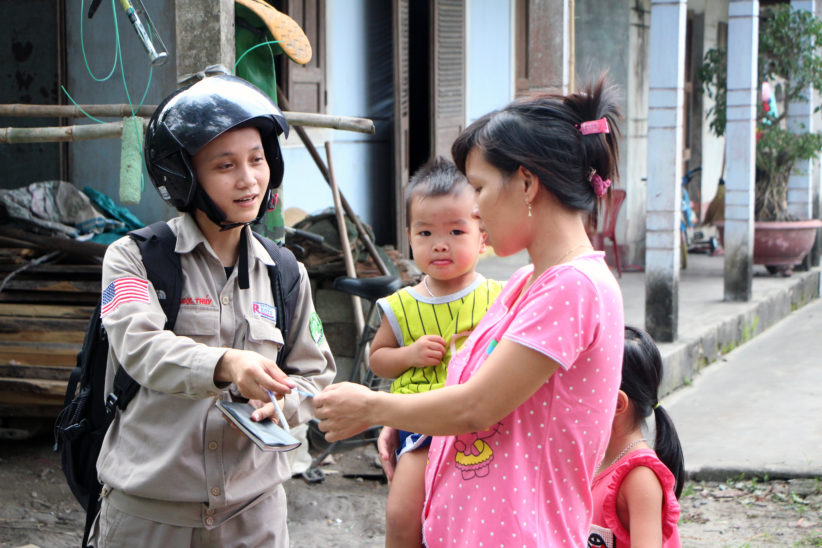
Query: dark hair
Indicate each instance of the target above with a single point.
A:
(641, 375)
(438, 177)
(540, 133)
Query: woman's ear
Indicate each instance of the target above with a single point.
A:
(531, 183)
(623, 403)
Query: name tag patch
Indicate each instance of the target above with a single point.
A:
(265, 311)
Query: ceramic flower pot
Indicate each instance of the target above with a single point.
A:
(780, 243)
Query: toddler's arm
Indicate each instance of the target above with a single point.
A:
(390, 361)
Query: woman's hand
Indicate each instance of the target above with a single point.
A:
(344, 410)
(252, 374)
(265, 410)
(387, 445)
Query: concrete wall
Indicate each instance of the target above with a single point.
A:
(489, 57)
(713, 147)
(97, 163)
(612, 36)
(29, 57)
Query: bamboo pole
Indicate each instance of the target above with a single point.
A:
(109, 130)
(72, 111)
(350, 270)
(307, 119)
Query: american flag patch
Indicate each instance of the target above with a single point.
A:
(124, 290)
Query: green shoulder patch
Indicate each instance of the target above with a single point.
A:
(315, 326)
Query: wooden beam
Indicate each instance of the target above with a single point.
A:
(40, 311)
(43, 390)
(48, 372)
(51, 243)
(43, 354)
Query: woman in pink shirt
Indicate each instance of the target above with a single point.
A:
(524, 418)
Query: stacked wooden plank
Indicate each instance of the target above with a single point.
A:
(44, 309)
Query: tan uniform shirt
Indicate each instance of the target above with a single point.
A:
(172, 443)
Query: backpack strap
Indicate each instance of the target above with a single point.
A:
(284, 276)
(157, 245)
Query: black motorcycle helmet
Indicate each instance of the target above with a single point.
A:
(195, 115)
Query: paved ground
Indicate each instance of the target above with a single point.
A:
(758, 410)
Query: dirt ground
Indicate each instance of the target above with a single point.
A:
(346, 510)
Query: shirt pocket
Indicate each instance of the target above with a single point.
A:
(263, 337)
(201, 325)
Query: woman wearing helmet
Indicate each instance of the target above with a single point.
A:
(174, 472)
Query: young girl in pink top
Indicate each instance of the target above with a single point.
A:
(525, 415)
(636, 488)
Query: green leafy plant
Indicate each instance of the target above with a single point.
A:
(790, 60)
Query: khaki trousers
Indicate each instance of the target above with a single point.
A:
(264, 524)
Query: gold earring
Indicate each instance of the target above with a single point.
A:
(529, 208)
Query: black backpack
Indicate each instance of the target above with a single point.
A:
(87, 414)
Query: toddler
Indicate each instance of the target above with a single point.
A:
(424, 325)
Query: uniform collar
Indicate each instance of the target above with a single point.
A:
(189, 237)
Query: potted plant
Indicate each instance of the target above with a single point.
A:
(789, 64)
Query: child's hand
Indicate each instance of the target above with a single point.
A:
(387, 446)
(427, 350)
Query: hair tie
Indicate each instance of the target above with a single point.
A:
(599, 184)
(593, 126)
(658, 404)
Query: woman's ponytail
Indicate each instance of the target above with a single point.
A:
(543, 133)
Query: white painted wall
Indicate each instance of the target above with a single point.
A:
(489, 56)
(359, 43)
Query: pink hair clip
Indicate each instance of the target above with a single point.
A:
(594, 126)
(600, 185)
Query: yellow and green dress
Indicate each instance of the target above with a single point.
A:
(453, 317)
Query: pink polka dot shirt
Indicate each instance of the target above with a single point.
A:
(527, 480)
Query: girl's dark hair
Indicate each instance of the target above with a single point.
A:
(540, 133)
(641, 375)
(438, 177)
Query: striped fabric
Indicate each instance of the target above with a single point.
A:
(451, 318)
(120, 291)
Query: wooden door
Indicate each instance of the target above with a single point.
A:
(447, 59)
(304, 85)
(401, 118)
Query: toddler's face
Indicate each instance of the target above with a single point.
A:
(445, 235)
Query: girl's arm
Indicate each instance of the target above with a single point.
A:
(389, 361)
(509, 376)
(639, 507)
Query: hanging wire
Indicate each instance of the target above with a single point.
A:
(252, 48)
(83, 46)
(118, 57)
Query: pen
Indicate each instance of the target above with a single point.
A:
(280, 416)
